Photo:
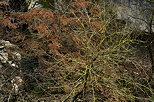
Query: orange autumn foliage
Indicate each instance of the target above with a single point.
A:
(51, 27)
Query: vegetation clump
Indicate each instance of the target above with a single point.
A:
(82, 54)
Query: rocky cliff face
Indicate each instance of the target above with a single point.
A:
(138, 12)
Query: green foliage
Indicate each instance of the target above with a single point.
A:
(38, 90)
(152, 99)
(47, 3)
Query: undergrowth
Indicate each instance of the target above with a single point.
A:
(82, 54)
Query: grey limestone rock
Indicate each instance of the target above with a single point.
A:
(140, 13)
(8, 54)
